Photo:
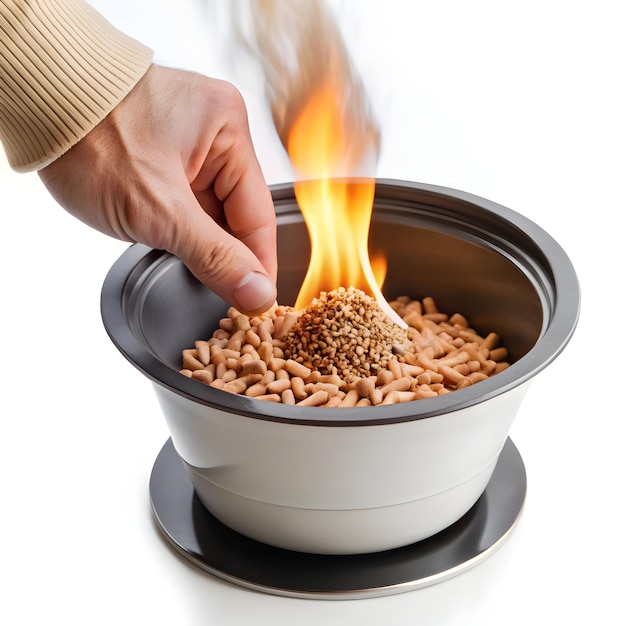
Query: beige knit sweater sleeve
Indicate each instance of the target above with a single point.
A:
(63, 68)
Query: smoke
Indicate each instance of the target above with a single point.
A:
(301, 51)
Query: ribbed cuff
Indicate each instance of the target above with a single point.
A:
(63, 68)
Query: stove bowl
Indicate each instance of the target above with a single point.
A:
(358, 480)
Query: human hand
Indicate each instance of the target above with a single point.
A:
(173, 167)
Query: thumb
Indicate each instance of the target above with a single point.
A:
(223, 263)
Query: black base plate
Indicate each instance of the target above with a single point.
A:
(200, 537)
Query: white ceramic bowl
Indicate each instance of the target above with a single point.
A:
(347, 481)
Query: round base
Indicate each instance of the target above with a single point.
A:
(189, 526)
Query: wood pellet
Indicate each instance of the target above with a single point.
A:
(343, 351)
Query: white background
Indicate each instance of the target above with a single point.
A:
(521, 103)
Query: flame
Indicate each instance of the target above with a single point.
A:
(337, 212)
(379, 268)
(337, 215)
(322, 117)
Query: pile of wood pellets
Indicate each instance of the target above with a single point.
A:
(344, 351)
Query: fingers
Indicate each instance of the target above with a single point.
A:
(223, 262)
(231, 186)
(233, 174)
(248, 213)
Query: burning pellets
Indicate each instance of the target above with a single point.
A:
(343, 351)
(345, 332)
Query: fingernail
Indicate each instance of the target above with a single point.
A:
(254, 293)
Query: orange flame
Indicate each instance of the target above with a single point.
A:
(337, 213)
(322, 117)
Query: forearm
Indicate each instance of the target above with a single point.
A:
(63, 68)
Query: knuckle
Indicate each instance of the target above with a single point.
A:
(216, 261)
(227, 97)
